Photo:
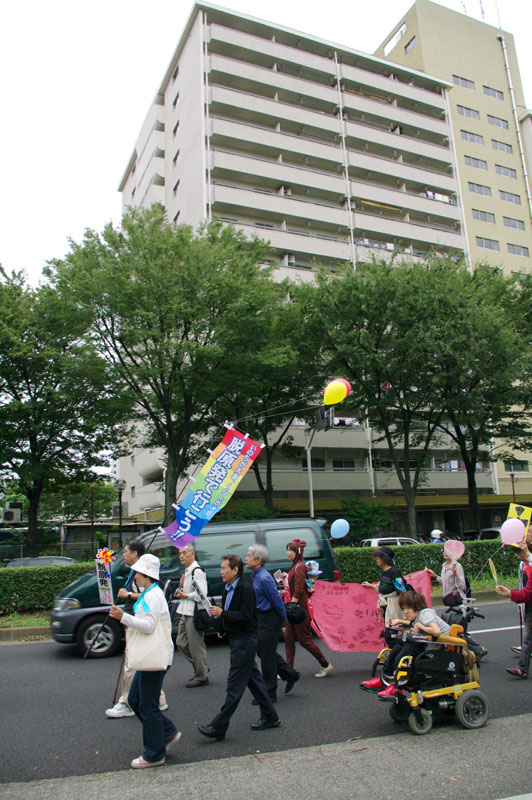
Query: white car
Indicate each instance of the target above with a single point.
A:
(388, 541)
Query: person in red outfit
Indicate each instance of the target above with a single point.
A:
(299, 593)
(522, 596)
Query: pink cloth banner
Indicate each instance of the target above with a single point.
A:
(345, 615)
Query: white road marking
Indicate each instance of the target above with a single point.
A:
(494, 630)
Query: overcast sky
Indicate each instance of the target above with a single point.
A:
(78, 79)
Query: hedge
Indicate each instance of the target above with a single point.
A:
(29, 588)
(356, 564)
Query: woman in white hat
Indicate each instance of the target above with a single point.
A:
(152, 620)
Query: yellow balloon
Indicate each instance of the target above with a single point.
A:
(335, 392)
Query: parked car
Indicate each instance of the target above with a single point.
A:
(77, 615)
(388, 541)
(40, 561)
(483, 533)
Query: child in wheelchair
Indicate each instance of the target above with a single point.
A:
(421, 622)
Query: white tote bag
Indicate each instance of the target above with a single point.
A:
(149, 652)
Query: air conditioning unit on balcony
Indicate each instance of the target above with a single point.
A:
(291, 259)
(12, 515)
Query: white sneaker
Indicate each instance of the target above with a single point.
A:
(324, 671)
(119, 710)
(164, 707)
(141, 763)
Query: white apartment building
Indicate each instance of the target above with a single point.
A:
(332, 155)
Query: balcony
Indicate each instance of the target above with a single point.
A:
(275, 206)
(307, 245)
(398, 169)
(249, 107)
(396, 142)
(272, 143)
(387, 112)
(403, 231)
(404, 200)
(243, 75)
(273, 173)
(392, 87)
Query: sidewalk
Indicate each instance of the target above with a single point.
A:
(450, 763)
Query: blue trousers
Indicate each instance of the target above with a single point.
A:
(243, 672)
(143, 698)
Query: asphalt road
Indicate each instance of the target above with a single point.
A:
(52, 706)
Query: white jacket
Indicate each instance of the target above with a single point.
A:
(149, 609)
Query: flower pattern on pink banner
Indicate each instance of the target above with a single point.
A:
(345, 615)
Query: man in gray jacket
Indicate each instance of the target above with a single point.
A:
(189, 640)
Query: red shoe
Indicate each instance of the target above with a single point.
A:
(372, 685)
(388, 693)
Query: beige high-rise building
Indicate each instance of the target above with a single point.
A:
(489, 119)
(332, 155)
(492, 130)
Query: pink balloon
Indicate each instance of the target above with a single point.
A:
(513, 531)
(454, 548)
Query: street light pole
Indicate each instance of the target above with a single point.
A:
(92, 518)
(120, 485)
(512, 476)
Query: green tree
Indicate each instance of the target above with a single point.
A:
(366, 518)
(59, 411)
(170, 311)
(486, 390)
(393, 330)
(282, 372)
(77, 500)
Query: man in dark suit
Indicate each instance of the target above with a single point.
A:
(238, 619)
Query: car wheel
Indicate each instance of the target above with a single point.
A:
(420, 728)
(472, 709)
(108, 641)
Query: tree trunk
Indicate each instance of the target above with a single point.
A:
(410, 498)
(171, 476)
(33, 493)
(473, 509)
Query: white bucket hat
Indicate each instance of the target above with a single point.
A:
(148, 565)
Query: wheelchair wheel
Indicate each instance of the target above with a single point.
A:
(400, 711)
(472, 709)
(418, 728)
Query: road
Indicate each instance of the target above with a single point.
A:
(53, 705)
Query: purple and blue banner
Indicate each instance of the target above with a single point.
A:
(213, 487)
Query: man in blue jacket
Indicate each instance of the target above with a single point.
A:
(271, 613)
(238, 619)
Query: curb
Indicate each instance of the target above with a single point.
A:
(22, 634)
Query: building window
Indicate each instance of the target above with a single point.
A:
(476, 138)
(388, 47)
(478, 188)
(516, 466)
(483, 216)
(176, 126)
(479, 163)
(176, 73)
(176, 156)
(176, 217)
(317, 464)
(487, 244)
(468, 112)
(510, 222)
(508, 172)
(132, 491)
(510, 197)
(502, 146)
(411, 44)
(176, 186)
(176, 98)
(493, 92)
(343, 464)
(518, 250)
(465, 82)
(500, 123)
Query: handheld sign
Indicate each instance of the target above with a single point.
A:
(204, 600)
(493, 572)
(104, 558)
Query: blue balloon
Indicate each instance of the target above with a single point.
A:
(339, 528)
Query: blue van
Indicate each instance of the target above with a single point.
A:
(77, 615)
